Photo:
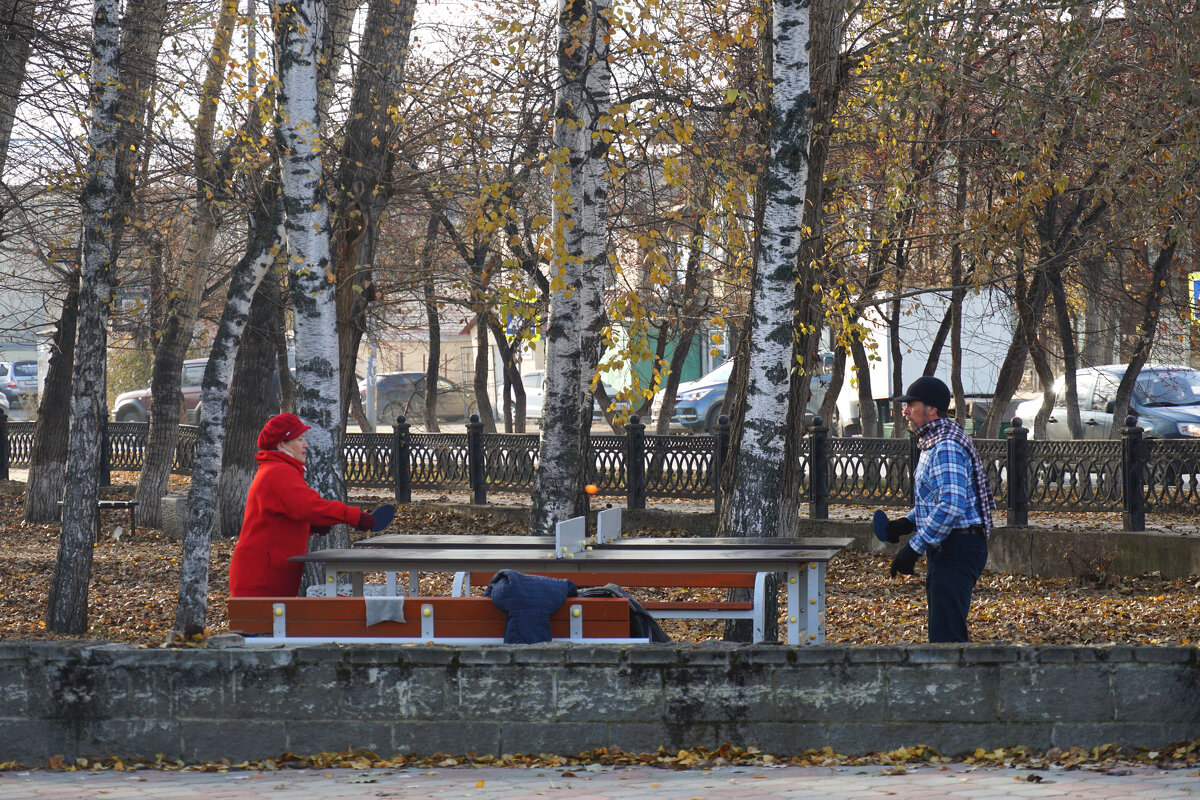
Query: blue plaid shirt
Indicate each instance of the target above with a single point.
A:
(946, 497)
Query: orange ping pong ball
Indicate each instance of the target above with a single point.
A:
(591, 488)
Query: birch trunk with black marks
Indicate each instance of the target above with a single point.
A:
(140, 42)
(826, 20)
(210, 441)
(578, 261)
(298, 30)
(752, 506)
(67, 609)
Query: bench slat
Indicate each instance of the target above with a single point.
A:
(649, 580)
(454, 628)
(698, 605)
(353, 609)
(453, 617)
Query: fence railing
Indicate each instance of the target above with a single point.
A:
(1131, 475)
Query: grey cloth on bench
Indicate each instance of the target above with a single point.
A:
(384, 609)
(641, 624)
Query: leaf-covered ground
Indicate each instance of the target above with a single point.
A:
(135, 581)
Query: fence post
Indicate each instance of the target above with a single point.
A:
(635, 463)
(1133, 467)
(1018, 474)
(818, 470)
(402, 461)
(5, 451)
(720, 453)
(106, 452)
(914, 455)
(476, 474)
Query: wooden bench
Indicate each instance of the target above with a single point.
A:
(430, 620)
(753, 610)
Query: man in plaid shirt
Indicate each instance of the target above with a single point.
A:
(952, 517)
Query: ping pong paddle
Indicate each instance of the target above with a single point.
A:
(879, 522)
(383, 517)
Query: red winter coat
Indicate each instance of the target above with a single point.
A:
(280, 507)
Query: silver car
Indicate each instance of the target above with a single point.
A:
(1166, 402)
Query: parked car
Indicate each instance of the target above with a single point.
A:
(534, 394)
(1166, 402)
(19, 383)
(534, 382)
(399, 393)
(698, 403)
(134, 406)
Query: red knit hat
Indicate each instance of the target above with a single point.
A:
(280, 428)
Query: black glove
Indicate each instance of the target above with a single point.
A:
(366, 522)
(319, 530)
(905, 562)
(899, 527)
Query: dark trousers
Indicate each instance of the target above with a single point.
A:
(953, 570)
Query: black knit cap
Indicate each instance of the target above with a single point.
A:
(930, 391)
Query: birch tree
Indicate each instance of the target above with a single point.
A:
(210, 441)
(752, 507)
(298, 28)
(141, 40)
(67, 607)
(578, 261)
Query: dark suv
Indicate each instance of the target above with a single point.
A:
(399, 393)
(135, 406)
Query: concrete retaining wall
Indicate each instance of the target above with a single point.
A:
(241, 703)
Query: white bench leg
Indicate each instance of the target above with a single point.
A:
(794, 576)
(760, 603)
(575, 615)
(278, 620)
(806, 604)
(816, 588)
(427, 622)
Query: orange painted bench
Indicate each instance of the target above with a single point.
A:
(446, 620)
(664, 609)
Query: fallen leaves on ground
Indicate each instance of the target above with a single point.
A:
(1180, 755)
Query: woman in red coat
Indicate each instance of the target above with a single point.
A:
(280, 508)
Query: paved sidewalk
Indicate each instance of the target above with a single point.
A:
(608, 783)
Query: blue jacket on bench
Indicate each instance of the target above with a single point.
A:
(528, 600)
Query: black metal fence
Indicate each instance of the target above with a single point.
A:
(1131, 475)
